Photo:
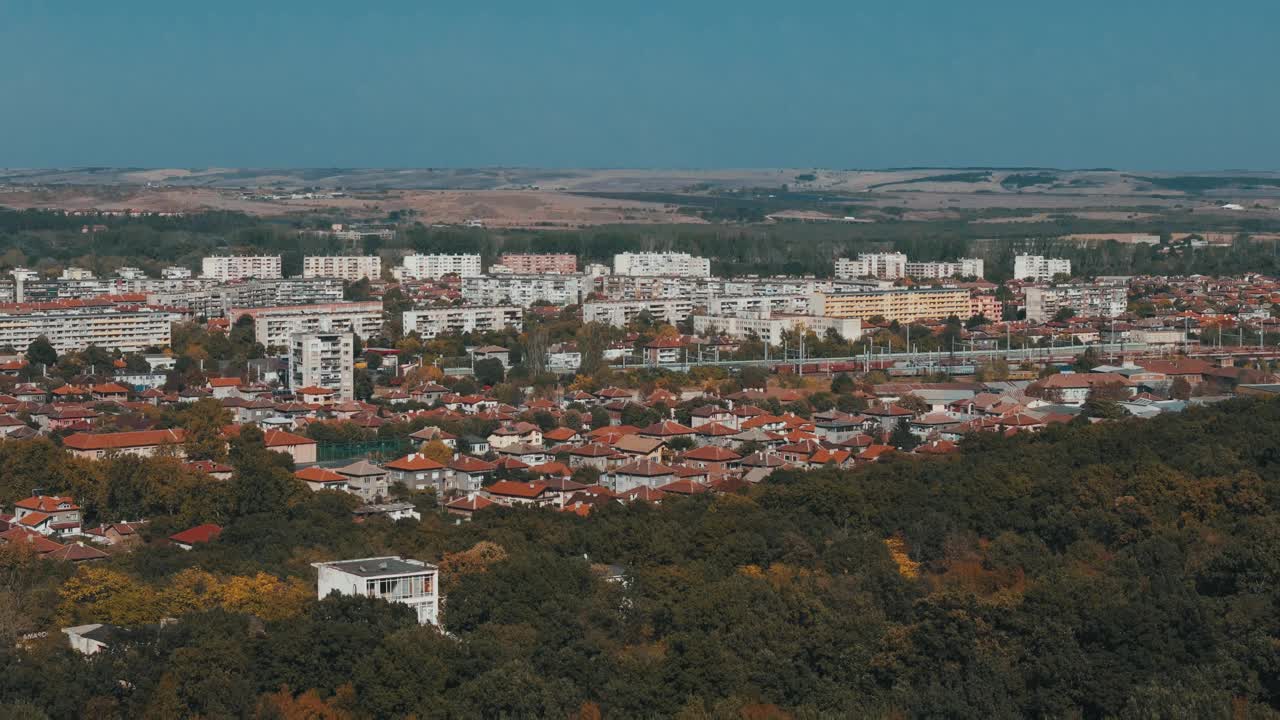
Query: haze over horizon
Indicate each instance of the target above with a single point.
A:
(575, 84)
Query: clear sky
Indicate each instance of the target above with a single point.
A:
(1135, 84)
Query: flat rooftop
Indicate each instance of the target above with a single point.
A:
(377, 567)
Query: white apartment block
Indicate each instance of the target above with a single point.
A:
(394, 579)
(525, 290)
(323, 359)
(679, 264)
(740, 305)
(343, 267)
(769, 327)
(217, 300)
(964, 267)
(619, 313)
(70, 329)
(889, 266)
(238, 267)
(434, 267)
(274, 326)
(173, 272)
(434, 321)
(1039, 268)
(1086, 300)
(621, 287)
(76, 273)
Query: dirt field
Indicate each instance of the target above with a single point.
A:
(493, 208)
(531, 197)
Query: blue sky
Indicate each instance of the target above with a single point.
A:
(699, 83)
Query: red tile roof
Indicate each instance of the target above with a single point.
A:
(318, 474)
(47, 503)
(197, 534)
(413, 462)
(468, 464)
(644, 468)
(469, 504)
(510, 488)
(121, 440)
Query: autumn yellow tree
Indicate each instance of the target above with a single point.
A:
(265, 596)
(438, 451)
(476, 559)
(283, 705)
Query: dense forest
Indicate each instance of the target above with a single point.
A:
(49, 241)
(1121, 569)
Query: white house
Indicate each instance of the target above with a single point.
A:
(391, 578)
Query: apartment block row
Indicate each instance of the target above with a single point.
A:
(435, 321)
(677, 264)
(1044, 303)
(343, 267)
(217, 300)
(434, 267)
(1039, 268)
(275, 326)
(536, 264)
(108, 327)
(525, 290)
(899, 304)
(893, 266)
(224, 268)
(769, 327)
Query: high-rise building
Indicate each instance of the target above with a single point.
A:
(433, 321)
(525, 290)
(274, 326)
(769, 326)
(76, 327)
(901, 304)
(434, 267)
(537, 263)
(323, 359)
(238, 267)
(343, 267)
(682, 264)
(1043, 304)
(1039, 268)
(964, 267)
(889, 266)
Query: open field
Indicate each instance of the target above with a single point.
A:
(530, 197)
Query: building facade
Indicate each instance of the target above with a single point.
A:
(434, 321)
(238, 267)
(537, 263)
(434, 267)
(76, 328)
(901, 304)
(680, 264)
(769, 327)
(619, 313)
(878, 265)
(525, 290)
(394, 579)
(275, 326)
(343, 267)
(964, 267)
(1084, 300)
(323, 359)
(1039, 268)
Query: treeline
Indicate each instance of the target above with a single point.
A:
(48, 240)
(1124, 569)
